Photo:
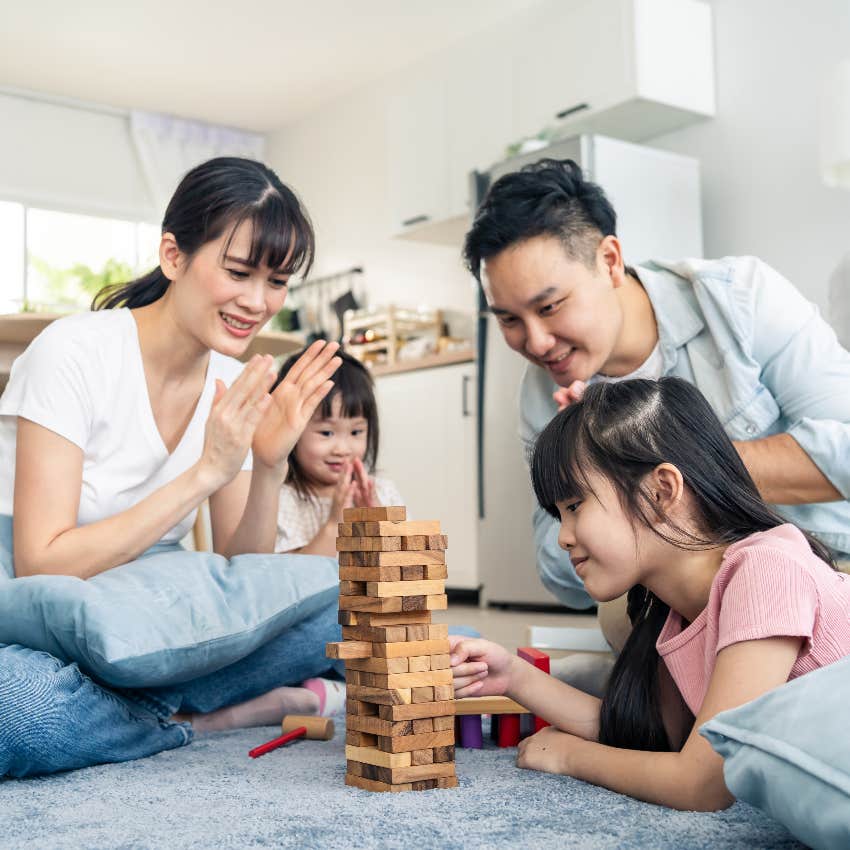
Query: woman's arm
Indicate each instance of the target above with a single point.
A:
(48, 478)
(693, 778)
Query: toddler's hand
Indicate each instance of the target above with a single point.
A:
(565, 396)
(480, 667)
(343, 495)
(364, 487)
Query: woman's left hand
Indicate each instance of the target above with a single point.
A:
(294, 401)
(547, 750)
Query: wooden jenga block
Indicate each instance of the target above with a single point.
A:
(488, 705)
(369, 785)
(352, 588)
(418, 756)
(393, 604)
(426, 631)
(408, 648)
(378, 634)
(359, 739)
(405, 588)
(370, 755)
(345, 529)
(414, 543)
(396, 618)
(433, 571)
(381, 696)
(393, 529)
(389, 559)
(438, 542)
(378, 665)
(416, 710)
(423, 694)
(418, 663)
(377, 726)
(366, 709)
(368, 544)
(442, 692)
(443, 724)
(441, 662)
(383, 514)
(406, 743)
(346, 618)
(424, 724)
(400, 775)
(447, 781)
(444, 754)
(410, 680)
(349, 649)
(416, 573)
(376, 573)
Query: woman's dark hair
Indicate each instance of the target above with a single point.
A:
(623, 430)
(546, 198)
(219, 194)
(356, 390)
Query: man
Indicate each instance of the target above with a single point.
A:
(544, 248)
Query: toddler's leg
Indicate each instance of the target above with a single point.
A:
(53, 717)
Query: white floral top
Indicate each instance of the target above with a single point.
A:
(299, 520)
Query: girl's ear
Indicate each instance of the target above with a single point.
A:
(169, 256)
(666, 486)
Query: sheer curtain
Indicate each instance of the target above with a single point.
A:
(168, 147)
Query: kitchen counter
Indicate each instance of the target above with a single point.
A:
(432, 361)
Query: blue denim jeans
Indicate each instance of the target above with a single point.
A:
(54, 717)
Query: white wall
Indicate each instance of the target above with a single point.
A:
(336, 160)
(762, 192)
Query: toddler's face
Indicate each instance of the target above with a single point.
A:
(604, 546)
(326, 444)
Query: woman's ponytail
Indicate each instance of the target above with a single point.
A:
(137, 293)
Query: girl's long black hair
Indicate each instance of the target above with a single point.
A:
(219, 194)
(356, 390)
(623, 430)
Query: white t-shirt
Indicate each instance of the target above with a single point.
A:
(651, 369)
(83, 378)
(299, 520)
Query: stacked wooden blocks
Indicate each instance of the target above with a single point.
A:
(400, 698)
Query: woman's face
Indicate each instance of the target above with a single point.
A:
(554, 310)
(219, 298)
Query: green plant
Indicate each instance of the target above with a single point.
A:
(75, 286)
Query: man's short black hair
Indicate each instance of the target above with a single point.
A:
(547, 198)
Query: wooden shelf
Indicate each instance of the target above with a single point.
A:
(433, 361)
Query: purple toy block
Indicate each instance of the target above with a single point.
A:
(471, 735)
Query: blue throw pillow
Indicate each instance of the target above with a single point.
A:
(788, 753)
(168, 617)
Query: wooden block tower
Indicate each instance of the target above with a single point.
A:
(400, 699)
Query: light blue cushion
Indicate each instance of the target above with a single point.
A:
(788, 753)
(168, 617)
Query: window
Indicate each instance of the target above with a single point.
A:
(56, 261)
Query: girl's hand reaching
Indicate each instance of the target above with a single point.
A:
(480, 667)
(293, 403)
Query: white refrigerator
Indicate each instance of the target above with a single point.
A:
(657, 198)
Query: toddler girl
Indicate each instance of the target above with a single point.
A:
(331, 465)
(726, 599)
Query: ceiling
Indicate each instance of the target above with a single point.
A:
(255, 64)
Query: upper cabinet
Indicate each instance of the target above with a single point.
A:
(632, 69)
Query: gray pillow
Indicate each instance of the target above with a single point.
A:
(788, 753)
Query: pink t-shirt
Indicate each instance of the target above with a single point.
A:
(769, 585)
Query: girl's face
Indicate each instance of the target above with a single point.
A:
(554, 310)
(219, 299)
(326, 444)
(606, 550)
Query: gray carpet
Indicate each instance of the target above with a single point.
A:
(211, 795)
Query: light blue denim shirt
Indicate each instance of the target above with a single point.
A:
(766, 361)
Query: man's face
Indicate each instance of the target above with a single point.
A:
(554, 310)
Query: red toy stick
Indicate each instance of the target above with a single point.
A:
(278, 742)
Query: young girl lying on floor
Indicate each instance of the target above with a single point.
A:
(727, 601)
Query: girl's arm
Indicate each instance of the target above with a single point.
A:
(693, 778)
(48, 482)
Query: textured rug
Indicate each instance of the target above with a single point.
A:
(211, 795)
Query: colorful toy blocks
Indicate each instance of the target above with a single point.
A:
(400, 707)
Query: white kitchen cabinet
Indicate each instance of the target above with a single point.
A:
(632, 69)
(427, 448)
